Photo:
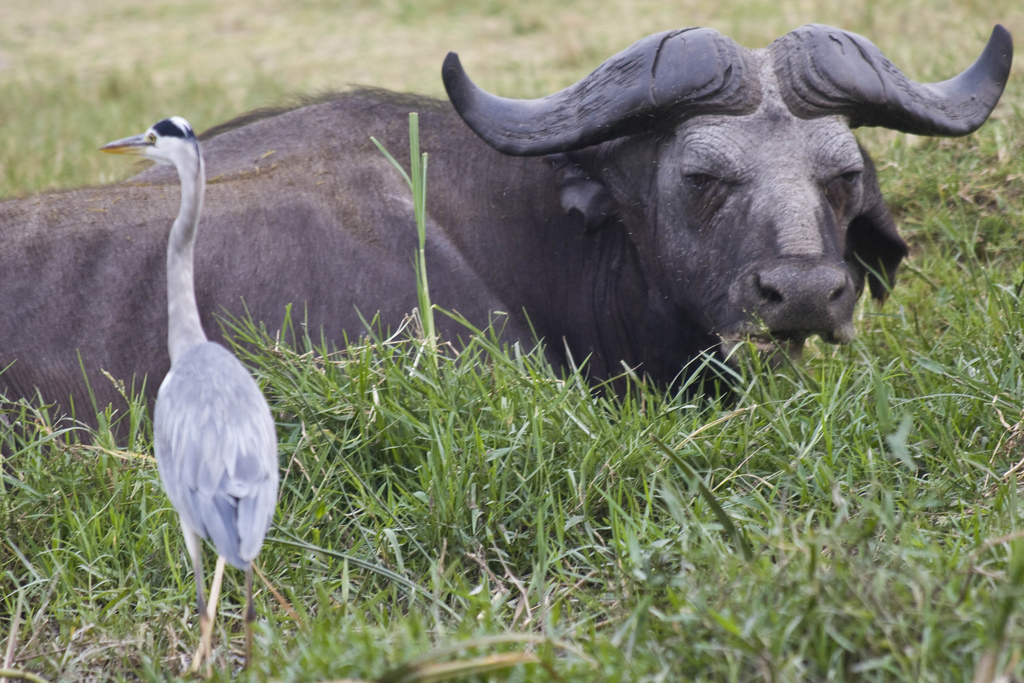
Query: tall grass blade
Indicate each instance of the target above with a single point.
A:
(416, 178)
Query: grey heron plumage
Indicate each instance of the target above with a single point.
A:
(215, 442)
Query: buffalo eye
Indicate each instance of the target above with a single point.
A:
(842, 188)
(709, 191)
(701, 182)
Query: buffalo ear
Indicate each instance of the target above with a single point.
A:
(581, 192)
(872, 239)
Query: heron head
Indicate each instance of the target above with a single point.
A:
(165, 142)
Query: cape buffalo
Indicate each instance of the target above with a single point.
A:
(688, 191)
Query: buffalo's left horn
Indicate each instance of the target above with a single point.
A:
(823, 70)
(672, 74)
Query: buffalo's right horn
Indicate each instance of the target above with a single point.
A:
(823, 70)
(673, 74)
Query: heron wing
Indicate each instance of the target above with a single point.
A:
(216, 450)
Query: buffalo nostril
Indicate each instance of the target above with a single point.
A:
(769, 294)
(837, 293)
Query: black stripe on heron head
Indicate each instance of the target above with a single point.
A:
(174, 127)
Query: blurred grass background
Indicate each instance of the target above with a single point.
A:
(74, 74)
(877, 484)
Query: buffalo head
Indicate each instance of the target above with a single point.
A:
(754, 212)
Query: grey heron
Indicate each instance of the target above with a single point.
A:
(215, 441)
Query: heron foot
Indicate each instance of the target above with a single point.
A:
(205, 651)
(248, 643)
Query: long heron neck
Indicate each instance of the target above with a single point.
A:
(183, 326)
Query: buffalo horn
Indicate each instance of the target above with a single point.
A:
(674, 74)
(822, 71)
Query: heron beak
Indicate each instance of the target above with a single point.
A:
(136, 145)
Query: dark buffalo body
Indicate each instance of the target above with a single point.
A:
(688, 193)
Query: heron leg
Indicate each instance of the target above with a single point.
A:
(250, 613)
(195, 551)
(206, 620)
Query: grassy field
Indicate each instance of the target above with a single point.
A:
(857, 517)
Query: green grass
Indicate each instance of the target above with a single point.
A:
(495, 505)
